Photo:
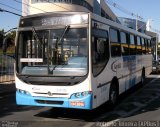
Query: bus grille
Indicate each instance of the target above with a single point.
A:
(51, 94)
(49, 102)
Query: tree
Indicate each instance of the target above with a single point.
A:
(11, 38)
(8, 42)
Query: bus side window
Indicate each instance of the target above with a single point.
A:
(149, 46)
(143, 46)
(124, 44)
(139, 47)
(100, 50)
(132, 45)
(148, 49)
(115, 45)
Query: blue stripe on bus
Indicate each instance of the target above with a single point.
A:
(23, 99)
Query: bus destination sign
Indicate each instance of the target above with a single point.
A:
(57, 20)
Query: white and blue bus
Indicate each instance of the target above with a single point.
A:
(77, 60)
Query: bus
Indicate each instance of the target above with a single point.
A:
(77, 60)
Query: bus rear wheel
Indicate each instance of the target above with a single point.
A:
(143, 77)
(113, 95)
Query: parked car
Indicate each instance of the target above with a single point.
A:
(155, 66)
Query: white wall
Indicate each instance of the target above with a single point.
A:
(25, 8)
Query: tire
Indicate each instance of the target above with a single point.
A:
(143, 77)
(113, 95)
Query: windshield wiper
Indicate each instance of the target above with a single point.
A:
(64, 32)
(59, 41)
(36, 36)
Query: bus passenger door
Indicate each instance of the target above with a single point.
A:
(100, 58)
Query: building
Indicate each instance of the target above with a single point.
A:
(25, 7)
(133, 24)
(99, 7)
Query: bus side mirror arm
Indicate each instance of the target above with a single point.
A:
(5, 46)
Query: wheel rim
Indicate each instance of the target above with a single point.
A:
(142, 79)
(113, 96)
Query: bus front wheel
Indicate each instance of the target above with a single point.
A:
(113, 94)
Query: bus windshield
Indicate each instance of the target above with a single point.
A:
(56, 52)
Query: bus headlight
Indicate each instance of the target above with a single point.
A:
(22, 91)
(82, 94)
(77, 95)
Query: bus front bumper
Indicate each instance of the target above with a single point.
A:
(72, 102)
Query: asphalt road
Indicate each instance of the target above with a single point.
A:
(138, 104)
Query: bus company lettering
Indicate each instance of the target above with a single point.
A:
(62, 1)
(130, 63)
(115, 66)
(35, 89)
(52, 1)
(58, 90)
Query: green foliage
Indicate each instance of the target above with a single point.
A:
(11, 35)
(11, 38)
(10, 42)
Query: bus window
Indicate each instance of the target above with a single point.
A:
(146, 45)
(124, 44)
(143, 46)
(149, 46)
(115, 45)
(100, 50)
(139, 47)
(56, 57)
(132, 45)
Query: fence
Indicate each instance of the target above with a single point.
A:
(6, 68)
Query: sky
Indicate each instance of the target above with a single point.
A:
(148, 9)
(7, 20)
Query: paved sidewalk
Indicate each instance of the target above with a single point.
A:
(7, 88)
